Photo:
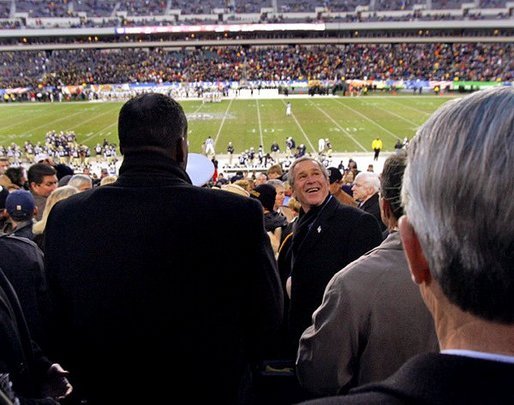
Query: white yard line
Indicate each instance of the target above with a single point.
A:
(341, 128)
(222, 123)
(301, 130)
(100, 132)
(94, 117)
(370, 120)
(260, 123)
(410, 107)
(49, 124)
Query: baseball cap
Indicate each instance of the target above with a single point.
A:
(20, 205)
(334, 174)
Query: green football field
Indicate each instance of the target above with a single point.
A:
(351, 123)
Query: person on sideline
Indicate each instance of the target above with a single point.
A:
(372, 318)
(458, 238)
(141, 285)
(376, 145)
(327, 237)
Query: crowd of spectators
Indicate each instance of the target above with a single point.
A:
(113, 13)
(431, 61)
(96, 8)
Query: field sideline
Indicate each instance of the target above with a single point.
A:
(351, 123)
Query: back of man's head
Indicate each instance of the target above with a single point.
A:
(458, 196)
(20, 205)
(151, 122)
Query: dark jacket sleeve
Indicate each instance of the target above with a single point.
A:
(265, 298)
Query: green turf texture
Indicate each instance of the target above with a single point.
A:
(351, 123)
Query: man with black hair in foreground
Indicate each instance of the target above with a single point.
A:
(150, 312)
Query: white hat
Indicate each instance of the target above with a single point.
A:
(199, 168)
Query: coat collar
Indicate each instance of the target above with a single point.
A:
(152, 167)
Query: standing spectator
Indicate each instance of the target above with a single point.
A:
(274, 222)
(35, 380)
(275, 172)
(20, 208)
(365, 191)
(42, 179)
(4, 164)
(464, 271)
(336, 183)
(376, 145)
(57, 195)
(82, 182)
(22, 263)
(327, 237)
(261, 178)
(149, 287)
(14, 178)
(372, 318)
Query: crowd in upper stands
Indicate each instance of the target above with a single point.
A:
(89, 13)
(96, 8)
(431, 61)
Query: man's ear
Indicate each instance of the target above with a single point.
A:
(418, 264)
(385, 210)
(181, 152)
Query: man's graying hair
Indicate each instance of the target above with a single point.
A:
(458, 194)
(290, 175)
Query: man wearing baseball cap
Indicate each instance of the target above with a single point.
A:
(20, 209)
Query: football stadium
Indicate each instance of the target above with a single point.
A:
(203, 201)
(354, 70)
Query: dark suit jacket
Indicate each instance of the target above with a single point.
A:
(441, 379)
(339, 235)
(19, 356)
(372, 206)
(22, 263)
(155, 277)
